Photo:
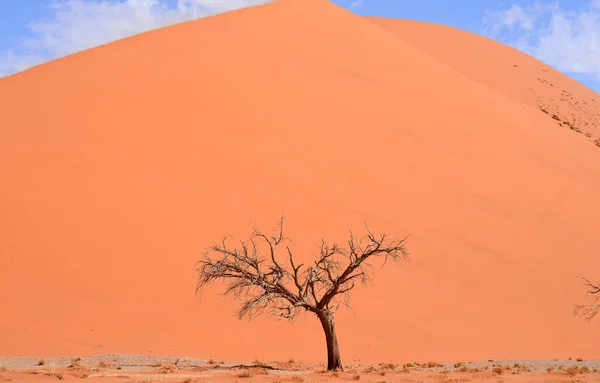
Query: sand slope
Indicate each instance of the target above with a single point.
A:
(120, 164)
(506, 70)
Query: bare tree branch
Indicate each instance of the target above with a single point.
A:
(589, 311)
(264, 283)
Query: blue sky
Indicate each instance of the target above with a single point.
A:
(564, 34)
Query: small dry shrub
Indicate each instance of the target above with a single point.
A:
(167, 369)
(75, 364)
(369, 370)
(245, 374)
(574, 370)
(59, 375)
(41, 362)
(298, 378)
(335, 374)
(356, 377)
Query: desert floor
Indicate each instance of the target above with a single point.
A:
(144, 369)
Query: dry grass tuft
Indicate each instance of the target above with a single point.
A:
(167, 369)
(297, 378)
(575, 370)
(245, 374)
(356, 377)
(75, 364)
(258, 363)
(498, 370)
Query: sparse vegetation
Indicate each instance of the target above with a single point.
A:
(41, 362)
(298, 378)
(245, 374)
(167, 369)
(258, 363)
(75, 364)
(279, 286)
(575, 370)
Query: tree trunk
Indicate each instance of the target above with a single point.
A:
(334, 361)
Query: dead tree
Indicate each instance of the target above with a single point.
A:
(589, 311)
(275, 284)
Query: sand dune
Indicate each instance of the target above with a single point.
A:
(506, 70)
(120, 164)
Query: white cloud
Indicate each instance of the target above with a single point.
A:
(567, 39)
(76, 25)
(359, 3)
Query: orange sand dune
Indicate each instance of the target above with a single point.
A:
(506, 70)
(121, 164)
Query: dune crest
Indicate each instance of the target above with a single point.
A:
(121, 164)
